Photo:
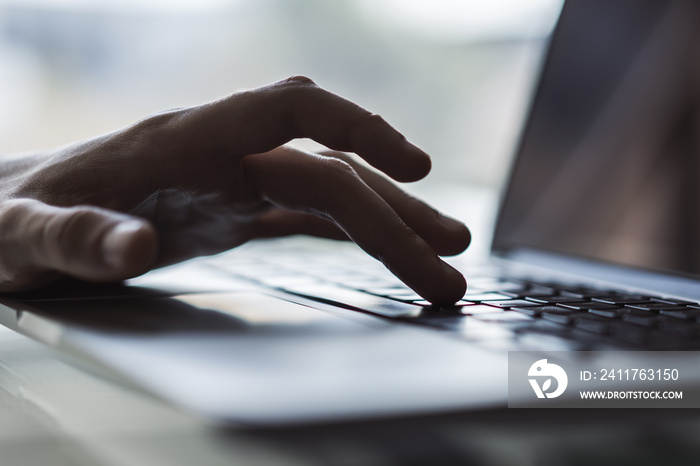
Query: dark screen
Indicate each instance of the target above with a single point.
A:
(609, 163)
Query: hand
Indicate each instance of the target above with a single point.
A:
(205, 179)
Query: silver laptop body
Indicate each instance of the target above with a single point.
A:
(602, 197)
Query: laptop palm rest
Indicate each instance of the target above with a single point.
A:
(253, 358)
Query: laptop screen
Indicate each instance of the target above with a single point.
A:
(609, 163)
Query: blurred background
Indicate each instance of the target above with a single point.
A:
(454, 76)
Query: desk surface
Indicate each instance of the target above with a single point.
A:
(52, 412)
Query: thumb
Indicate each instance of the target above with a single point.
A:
(85, 242)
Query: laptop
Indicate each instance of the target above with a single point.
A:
(596, 247)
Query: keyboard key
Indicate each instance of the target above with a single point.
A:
(549, 285)
(479, 309)
(623, 299)
(432, 310)
(540, 289)
(562, 315)
(508, 286)
(534, 310)
(585, 295)
(646, 319)
(509, 303)
(358, 301)
(680, 328)
(422, 302)
(493, 285)
(497, 309)
(682, 313)
(608, 313)
(587, 289)
(674, 301)
(593, 323)
(552, 299)
(477, 298)
(656, 307)
(400, 294)
(451, 311)
(588, 306)
(527, 293)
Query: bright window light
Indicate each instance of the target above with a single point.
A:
(172, 5)
(469, 19)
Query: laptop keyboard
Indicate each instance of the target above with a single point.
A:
(498, 311)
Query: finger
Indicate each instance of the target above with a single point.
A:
(330, 187)
(446, 235)
(84, 242)
(279, 222)
(261, 119)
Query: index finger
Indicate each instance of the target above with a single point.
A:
(331, 188)
(261, 119)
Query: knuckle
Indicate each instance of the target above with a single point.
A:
(373, 123)
(155, 130)
(370, 119)
(291, 93)
(16, 222)
(159, 122)
(11, 213)
(338, 169)
(162, 117)
(13, 228)
(65, 231)
(156, 141)
(333, 176)
(156, 135)
(374, 118)
(344, 156)
(295, 85)
(389, 246)
(18, 228)
(298, 79)
(294, 97)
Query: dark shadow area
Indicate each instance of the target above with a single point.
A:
(212, 314)
(499, 437)
(144, 316)
(70, 288)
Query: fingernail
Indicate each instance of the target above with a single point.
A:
(116, 242)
